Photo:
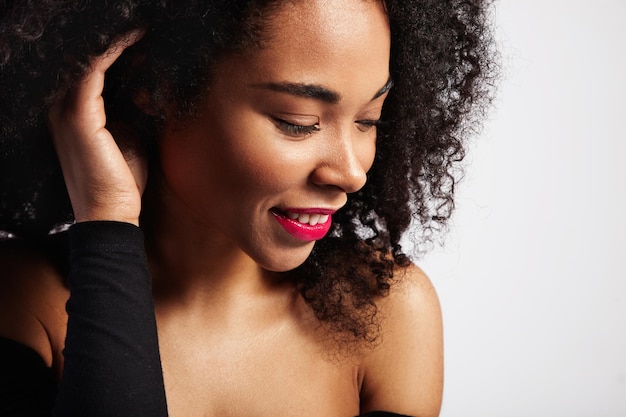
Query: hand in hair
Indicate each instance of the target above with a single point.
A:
(103, 182)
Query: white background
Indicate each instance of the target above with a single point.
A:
(531, 277)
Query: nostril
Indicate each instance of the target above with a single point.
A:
(347, 179)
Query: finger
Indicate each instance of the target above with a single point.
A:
(84, 102)
(104, 61)
(93, 83)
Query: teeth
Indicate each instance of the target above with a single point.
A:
(314, 219)
(306, 218)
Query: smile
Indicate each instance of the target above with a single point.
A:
(308, 226)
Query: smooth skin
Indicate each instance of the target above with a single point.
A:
(235, 339)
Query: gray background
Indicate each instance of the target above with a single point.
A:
(531, 277)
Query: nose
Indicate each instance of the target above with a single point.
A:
(345, 162)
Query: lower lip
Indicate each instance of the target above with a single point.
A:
(303, 231)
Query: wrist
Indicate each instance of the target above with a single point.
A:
(94, 215)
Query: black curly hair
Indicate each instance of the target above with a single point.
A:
(441, 64)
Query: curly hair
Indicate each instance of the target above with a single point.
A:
(441, 65)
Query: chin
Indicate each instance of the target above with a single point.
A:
(285, 260)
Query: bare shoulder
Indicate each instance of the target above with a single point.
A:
(404, 373)
(33, 296)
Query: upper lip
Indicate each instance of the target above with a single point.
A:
(314, 210)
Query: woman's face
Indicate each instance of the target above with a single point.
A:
(286, 132)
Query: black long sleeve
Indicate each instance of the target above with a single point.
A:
(112, 365)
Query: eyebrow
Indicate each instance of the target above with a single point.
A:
(383, 90)
(314, 91)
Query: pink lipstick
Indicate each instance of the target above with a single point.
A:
(305, 224)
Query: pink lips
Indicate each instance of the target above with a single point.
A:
(305, 231)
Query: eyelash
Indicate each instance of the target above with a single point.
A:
(367, 124)
(296, 130)
(305, 130)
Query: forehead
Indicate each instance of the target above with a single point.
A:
(328, 26)
(339, 19)
(310, 40)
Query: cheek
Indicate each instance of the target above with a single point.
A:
(246, 160)
(266, 167)
(249, 160)
(256, 157)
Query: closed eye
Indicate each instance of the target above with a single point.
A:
(296, 130)
(367, 124)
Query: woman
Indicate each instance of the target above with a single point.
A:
(283, 170)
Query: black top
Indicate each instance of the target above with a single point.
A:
(112, 365)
